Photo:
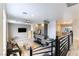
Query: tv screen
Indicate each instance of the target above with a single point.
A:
(21, 29)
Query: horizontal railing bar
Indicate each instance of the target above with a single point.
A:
(64, 39)
(41, 52)
(43, 48)
(61, 43)
(51, 42)
(64, 36)
(37, 47)
(64, 53)
(63, 48)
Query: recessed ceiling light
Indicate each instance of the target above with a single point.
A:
(24, 12)
(28, 21)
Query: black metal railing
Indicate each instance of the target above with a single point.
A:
(63, 44)
(58, 47)
(43, 50)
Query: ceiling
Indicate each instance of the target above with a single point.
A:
(35, 12)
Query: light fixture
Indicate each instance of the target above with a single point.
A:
(24, 12)
(42, 24)
(28, 21)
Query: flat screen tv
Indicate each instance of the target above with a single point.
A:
(22, 29)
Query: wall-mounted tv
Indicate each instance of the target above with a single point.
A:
(22, 29)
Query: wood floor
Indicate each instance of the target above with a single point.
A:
(74, 51)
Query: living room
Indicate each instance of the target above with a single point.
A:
(26, 31)
(34, 25)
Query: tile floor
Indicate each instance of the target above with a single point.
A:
(26, 51)
(74, 51)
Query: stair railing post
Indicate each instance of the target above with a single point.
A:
(30, 51)
(68, 42)
(52, 48)
(71, 36)
(57, 47)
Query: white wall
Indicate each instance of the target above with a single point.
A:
(52, 29)
(72, 14)
(13, 30)
(1, 30)
(76, 25)
(76, 22)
